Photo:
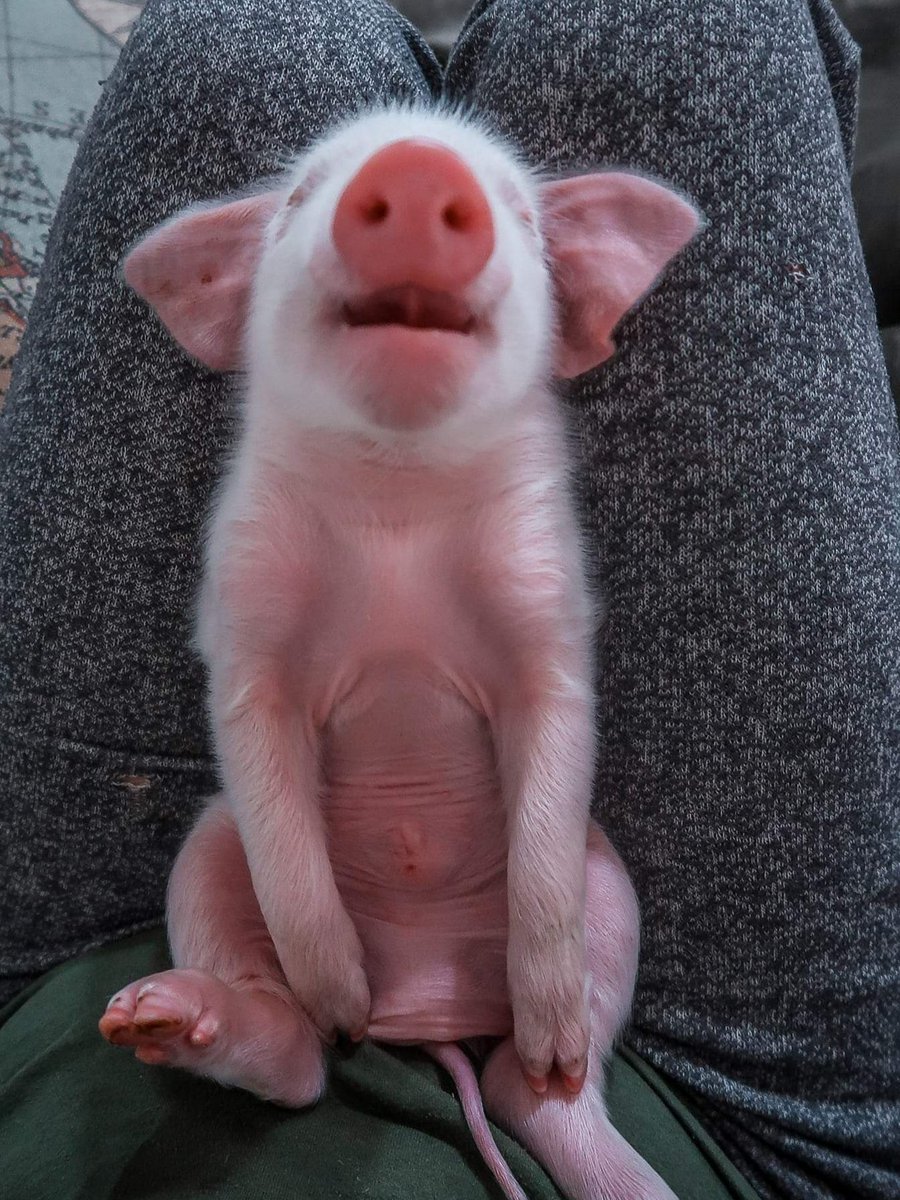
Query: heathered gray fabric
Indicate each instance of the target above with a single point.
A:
(109, 446)
(741, 497)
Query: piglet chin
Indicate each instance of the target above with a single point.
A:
(409, 378)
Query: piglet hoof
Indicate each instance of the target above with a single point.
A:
(169, 1019)
(250, 1034)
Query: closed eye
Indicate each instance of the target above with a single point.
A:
(307, 186)
(519, 206)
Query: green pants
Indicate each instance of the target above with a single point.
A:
(79, 1118)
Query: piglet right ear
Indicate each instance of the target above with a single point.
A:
(197, 269)
(609, 236)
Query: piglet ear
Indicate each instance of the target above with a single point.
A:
(197, 270)
(608, 238)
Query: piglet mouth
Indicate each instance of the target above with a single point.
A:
(411, 306)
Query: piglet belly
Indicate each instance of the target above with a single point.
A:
(434, 984)
(418, 844)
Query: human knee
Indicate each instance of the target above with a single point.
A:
(225, 36)
(629, 74)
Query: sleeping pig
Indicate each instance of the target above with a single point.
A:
(398, 632)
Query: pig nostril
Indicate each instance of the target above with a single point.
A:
(456, 216)
(414, 214)
(375, 211)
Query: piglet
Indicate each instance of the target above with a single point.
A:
(398, 632)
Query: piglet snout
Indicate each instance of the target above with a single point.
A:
(414, 214)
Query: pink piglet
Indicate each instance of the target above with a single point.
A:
(399, 634)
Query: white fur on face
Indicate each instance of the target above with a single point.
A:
(295, 352)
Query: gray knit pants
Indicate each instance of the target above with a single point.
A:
(740, 493)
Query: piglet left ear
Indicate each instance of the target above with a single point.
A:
(608, 238)
(197, 271)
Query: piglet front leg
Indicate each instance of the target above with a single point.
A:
(546, 756)
(271, 771)
(572, 1135)
(545, 739)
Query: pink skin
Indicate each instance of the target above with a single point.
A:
(414, 214)
(398, 631)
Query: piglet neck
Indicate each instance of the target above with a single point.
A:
(398, 485)
(347, 475)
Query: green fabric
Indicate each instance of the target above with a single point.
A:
(82, 1119)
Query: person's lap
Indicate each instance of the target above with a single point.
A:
(738, 501)
(741, 499)
(112, 442)
(81, 1123)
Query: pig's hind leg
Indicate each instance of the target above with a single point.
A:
(225, 1011)
(571, 1135)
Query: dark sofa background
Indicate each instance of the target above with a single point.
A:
(875, 24)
